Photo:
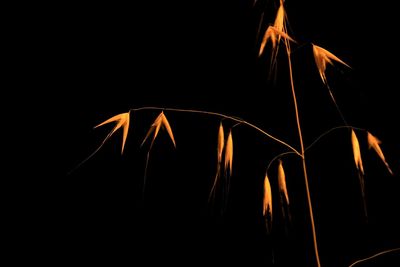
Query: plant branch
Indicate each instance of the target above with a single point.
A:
(329, 131)
(278, 156)
(236, 119)
(374, 256)
(336, 105)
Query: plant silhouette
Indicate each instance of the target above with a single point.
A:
(286, 164)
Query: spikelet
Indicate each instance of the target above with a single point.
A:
(160, 122)
(122, 120)
(356, 152)
(267, 204)
(280, 22)
(374, 143)
(360, 168)
(229, 153)
(323, 56)
(274, 34)
(282, 182)
(220, 148)
(267, 198)
(221, 140)
(167, 127)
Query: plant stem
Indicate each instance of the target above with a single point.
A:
(303, 159)
(239, 120)
(331, 130)
(374, 256)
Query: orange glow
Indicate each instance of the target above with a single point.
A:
(122, 121)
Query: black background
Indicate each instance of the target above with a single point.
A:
(84, 63)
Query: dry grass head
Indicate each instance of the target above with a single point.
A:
(229, 153)
(221, 141)
(122, 120)
(356, 152)
(274, 35)
(322, 57)
(280, 19)
(282, 182)
(374, 143)
(160, 122)
(360, 168)
(267, 198)
(220, 149)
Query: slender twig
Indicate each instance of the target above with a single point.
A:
(374, 256)
(336, 105)
(85, 160)
(277, 157)
(145, 172)
(236, 119)
(331, 130)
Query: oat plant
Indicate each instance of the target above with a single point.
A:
(273, 39)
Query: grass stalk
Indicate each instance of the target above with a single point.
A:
(303, 159)
(236, 119)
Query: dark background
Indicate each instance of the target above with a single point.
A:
(88, 62)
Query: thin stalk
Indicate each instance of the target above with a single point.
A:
(374, 256)
(277, 157)
(331, 130)
(239, 120)
(336, 105)
(303, 160)
(145, 173)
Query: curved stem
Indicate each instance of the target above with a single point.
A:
(336, 105)
(302, 157)
(329, 131)
(374, 256)
(239, 120)
(276, 157)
